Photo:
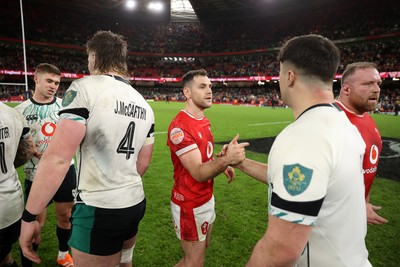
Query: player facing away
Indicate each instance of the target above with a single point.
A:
(41, 114)
(16, 147)
(113, 127)
(316, 213)
(192, 152)
(358, 96)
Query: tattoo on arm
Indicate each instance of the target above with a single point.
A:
(26, 149)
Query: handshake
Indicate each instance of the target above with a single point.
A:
(236, 157)
(234, 152)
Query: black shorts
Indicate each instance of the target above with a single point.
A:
(64, 193)
(8, 236)
(102, 232)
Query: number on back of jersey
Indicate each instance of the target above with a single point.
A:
(126, 144)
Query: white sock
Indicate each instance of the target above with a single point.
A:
(62, 254)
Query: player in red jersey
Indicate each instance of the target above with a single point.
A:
(358, 96)
(192, 152)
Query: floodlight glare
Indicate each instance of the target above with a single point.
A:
(155, 6)
(130, 4)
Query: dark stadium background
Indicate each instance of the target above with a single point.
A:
(232, 39)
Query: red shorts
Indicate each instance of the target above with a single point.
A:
(191, 224)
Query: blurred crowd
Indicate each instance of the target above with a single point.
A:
(225, 49)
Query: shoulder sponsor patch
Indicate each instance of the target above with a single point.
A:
(296, 178)
(176, 135)
(68, 97)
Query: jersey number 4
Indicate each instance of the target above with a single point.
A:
(126, 144)
(3, 165)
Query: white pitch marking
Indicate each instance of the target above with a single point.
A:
(160, 132)
(267, 123)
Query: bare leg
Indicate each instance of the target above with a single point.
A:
(194, 252)
(82, 259)
(127, 245)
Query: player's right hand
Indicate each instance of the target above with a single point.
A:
(372, 215)
(236, 151)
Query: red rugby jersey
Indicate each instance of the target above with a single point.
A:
(373, 141)
(186, 133)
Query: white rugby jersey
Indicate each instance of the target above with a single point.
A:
(12, 128)
(119, 122)
(42, 119)
(315, 174)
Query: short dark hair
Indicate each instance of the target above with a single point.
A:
(351, 68)
(111, 52)
(47, 68)
(313, 55)
(188, 77)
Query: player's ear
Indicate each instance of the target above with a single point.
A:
(186, 92)
(346, 89)
(291, 77)
(93, 55)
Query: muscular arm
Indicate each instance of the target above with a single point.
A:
(281, 245)
(255, 169)
(144, 158)
(26, 149)
(54, 164)
(202, 172)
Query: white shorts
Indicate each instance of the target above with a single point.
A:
(192, 224)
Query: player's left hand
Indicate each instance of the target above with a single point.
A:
(230, 174)
(372, 216)
(30, 233)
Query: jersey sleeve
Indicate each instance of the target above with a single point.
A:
(26, 132)
(298, 181)
(180, 140)
(150, 136)
(74, 105)
(20, 122)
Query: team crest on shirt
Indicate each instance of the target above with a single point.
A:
(204, 228)
(296, 178)
(68, 97)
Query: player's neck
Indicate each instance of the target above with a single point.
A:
(195, 112)
(42, 100)
(350, 108)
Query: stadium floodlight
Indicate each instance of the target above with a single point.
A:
(130, 4)
(155, 6)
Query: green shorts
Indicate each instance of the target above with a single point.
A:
(102, 232)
